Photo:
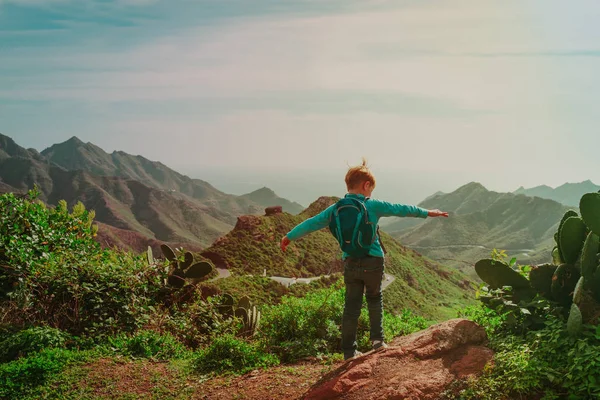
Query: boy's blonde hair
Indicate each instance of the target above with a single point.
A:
(358, 175)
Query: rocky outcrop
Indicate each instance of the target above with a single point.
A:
(273, 210)
(418, 366)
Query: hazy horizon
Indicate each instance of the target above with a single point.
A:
(305, 185)
(435, 94)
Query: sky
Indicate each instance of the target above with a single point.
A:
(247, 93)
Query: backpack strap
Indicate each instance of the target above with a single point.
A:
(380, 241)
(379, 235)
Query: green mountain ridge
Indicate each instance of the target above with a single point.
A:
(74, 154)
(139, 213)
(568, 193)
(479, 221)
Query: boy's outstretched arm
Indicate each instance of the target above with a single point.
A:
(310, 225)
(386, 209)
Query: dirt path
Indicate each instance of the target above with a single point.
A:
(287, 282)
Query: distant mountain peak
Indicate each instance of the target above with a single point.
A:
(266, 197)
(568, 193)
(319, 205)
(9, 148)
(472, 186)
(74, 140)
(264, 191)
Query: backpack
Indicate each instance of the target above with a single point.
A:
(351, 227)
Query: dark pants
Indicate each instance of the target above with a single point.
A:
(362, 275)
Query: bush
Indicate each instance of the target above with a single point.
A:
(53, 273)
(148, 344)
(230, 354)
(547, 363)
(31, 340)
(311, 326)
(194, 324)
(491, 320)
(18, 378)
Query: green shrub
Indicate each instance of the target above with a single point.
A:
(301, 327)
(148, 344)
(230, 354)
(490, 319)
(53, 273)
(546, 363)
(311, 325)
(18, 378)
(194, 324)
(31, 340)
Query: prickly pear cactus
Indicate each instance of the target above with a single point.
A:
(590, 211)
(571, 237)
(182, 270)
(540, 278)
(563, 284)
(575, 321)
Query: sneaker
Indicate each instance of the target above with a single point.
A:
(356, 354)
(379, 344)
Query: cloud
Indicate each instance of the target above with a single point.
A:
(456, 84)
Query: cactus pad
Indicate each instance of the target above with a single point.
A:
(497, 274)
(556, 257)
(242, 313)
(563, 283)
(244, 302)
(188, 259)
(571, 237)
(590, 211)
(575, 321)
(578, 292)
(540, 278)
(199, 270)
(226, 306)
(150, 256)
(589, 260)
(177, 278)
(168, 252)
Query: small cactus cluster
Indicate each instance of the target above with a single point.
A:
(185, 269)
(573, 280)
(244, 310)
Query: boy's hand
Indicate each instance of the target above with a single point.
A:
(437, 213)
(284, 243)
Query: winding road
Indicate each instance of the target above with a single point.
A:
(287, 282)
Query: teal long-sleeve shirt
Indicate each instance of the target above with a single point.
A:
(375, 208)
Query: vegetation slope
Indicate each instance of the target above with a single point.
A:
(481, 220)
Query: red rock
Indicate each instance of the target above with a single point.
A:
(418, 366)
(273, 210)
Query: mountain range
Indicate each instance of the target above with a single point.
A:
(481, 220)
(568, 193)
(141, 201)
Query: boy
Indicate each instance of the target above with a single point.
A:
(362, 272)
